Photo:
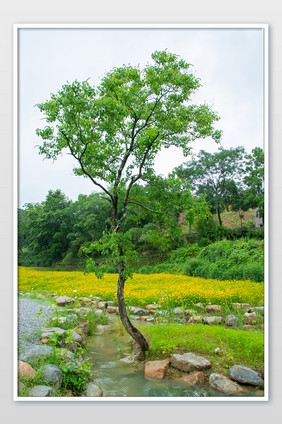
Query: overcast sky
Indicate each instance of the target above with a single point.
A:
(229, 63)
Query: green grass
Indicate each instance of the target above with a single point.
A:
(236, 346)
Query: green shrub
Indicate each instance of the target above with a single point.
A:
(229, 260)
(181, 254)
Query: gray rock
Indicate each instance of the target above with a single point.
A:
(76, 337)
(102, 305)
(71, 346)
(98, 313)
(21, 387)
(244, 306)
(223, 384)
(111, 303)
(97, 298)
(245, 375)
(232, 321)
(213, 308)
(72, 318)
(259, 309)
(250, 318)
(187, 313)
(84, 299)
(150, 319)
(163, 313)
(52, 374)
(92, 390)
(83, 310)
(85, 327)
(139, 311)
(178, 320)
(178, 311)
(41, 391)
(189, 362)
(64, 300)
(47, 332)
(35, 353)
(65, 353)
(136, 317)
(212, 320)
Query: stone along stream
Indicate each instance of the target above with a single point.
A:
(120, 379)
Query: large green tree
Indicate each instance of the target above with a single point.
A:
(114, 132)
(217, 176)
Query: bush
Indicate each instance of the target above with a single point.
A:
(229, 260)
(181, 254)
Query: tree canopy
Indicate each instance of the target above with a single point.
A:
(217, 176)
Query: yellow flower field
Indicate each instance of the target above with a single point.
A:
(142, 289)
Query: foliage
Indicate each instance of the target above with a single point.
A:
(143, 289)
(45, 228)
(225, 259)
(215, 175)
(174, 264)
(254, 180)
(245, 348)
(54, 231)
(75, 377)
(75, 374)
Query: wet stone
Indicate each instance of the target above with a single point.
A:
(189, 362)
(223, 384)
(245, 375)
(42, 391)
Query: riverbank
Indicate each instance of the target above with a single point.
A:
(164, 337)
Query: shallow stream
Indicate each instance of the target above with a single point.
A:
(118, 379)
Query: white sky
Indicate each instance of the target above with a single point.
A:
(229, 63)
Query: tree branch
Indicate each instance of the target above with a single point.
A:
(83, 169)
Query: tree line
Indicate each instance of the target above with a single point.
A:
(56, 230)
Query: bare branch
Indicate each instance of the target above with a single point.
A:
(83, 169)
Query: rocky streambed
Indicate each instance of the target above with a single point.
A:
(117, 373)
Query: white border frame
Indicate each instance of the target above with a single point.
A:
(16, 29)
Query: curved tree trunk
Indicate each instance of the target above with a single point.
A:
(132, 331)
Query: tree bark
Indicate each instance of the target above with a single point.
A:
(219, 217)
(132, 331)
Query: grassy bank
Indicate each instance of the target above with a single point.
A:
(235, 346)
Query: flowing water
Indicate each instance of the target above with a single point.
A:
(118, 379)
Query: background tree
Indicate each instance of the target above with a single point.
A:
(217, 176)
(90, 219)
(47, 226)
(254, 181)
(114, 132)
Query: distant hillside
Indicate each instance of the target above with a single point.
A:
(232, 219)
